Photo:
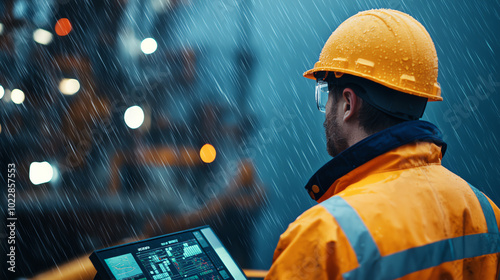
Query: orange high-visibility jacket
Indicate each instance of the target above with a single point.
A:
(389, 209)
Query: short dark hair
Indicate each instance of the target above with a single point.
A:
(371, 119)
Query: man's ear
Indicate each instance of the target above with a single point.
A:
(352, 104)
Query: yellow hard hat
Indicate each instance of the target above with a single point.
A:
(386, 46)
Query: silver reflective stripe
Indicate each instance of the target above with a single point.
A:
(355, 230)
(489, 215)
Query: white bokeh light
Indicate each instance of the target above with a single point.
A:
(2, 91)
(134, 117)
(42, 36)
(69, 86)
(148, 46)
(40, 172)
(17, 96)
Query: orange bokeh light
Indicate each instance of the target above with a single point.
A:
(63, 27)
(207, 153)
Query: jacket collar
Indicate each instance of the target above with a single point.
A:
(370, 148)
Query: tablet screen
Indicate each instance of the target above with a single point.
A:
(192, 254)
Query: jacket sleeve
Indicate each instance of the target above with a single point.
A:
(308, 248)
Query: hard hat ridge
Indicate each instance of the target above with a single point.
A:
(385, 46)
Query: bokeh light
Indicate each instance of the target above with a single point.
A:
(17, 96)
(207, 153)
(42, 36)
(134, 117)
(40, 172)
(149, 45)
(2, 91)
(69, 86)
(63, 27)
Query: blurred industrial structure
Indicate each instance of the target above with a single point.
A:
(108, 110)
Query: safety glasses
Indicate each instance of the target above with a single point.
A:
(321, 94)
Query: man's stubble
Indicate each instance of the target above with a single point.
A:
(335, 141)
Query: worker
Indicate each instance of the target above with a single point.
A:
(387, 207)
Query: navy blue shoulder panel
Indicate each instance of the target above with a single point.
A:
(370, 148)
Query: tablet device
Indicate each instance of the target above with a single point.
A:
(191, 254)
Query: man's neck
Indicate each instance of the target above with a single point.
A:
(356, 134)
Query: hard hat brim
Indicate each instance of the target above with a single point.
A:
(431, 97)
